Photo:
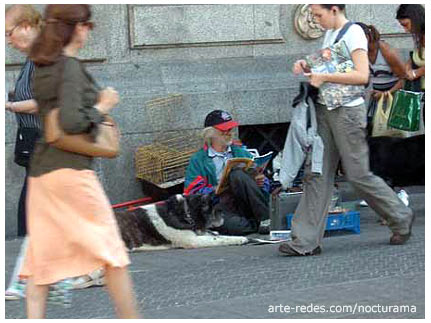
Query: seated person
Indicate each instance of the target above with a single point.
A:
(244, 205)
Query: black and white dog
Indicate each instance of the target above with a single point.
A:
(178, 222)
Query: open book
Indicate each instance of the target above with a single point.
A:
(334, 59)
(254, 165)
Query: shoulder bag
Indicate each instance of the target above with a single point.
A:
(106, 143)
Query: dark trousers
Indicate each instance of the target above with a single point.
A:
(22, 222)
(244, 205)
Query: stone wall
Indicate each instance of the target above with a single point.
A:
(172, 64)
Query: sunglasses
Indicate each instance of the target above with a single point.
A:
(10, 32)
(89, 24)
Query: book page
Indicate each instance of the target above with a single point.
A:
(242, 162)
(260, 162)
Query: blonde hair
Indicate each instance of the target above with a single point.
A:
(25, 13)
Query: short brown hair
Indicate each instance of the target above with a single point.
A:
(25, 13)
(60, 23)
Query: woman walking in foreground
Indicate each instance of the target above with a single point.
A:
(71, 226)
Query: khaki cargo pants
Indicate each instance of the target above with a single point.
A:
(343, 132)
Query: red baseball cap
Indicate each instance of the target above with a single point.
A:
(220, 120)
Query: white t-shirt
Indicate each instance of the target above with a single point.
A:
(355, 39)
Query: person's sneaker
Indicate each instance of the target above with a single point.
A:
(11, 296)
(16, 291)
(96, 278)
(400, 239)
(286, 250)
(403, 196)
(363, 203)
(265, 226)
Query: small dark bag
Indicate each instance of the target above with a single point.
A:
(24, 145)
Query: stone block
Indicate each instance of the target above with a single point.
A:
(382, 16)
(192, 77)
(359, 12)
(261, 107)
(188, 24)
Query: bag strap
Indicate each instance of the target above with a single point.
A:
(343, 31)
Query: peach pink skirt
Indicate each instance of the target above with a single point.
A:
(71, 226)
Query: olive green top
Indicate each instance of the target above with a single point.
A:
(67, 85)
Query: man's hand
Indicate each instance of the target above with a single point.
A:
(260, 180)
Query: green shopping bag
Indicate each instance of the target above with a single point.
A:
(406, 110)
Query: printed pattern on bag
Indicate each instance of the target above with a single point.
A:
(337, 95)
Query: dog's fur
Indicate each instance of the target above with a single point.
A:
(178, 222)
(399, 161)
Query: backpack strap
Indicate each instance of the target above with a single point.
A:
(343, 31)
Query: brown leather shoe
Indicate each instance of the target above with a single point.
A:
(399, 239)
(286, 250)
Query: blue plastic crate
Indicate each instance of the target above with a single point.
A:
(337, 221)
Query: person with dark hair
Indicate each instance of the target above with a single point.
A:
(343, 133)
(71, 226)
(412, 18)
(386, 68)
(244, 204)
(341, 7)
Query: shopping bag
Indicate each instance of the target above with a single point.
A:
(381, 116)
(406, 110)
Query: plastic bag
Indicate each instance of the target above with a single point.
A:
(381, 117)
(406, 111)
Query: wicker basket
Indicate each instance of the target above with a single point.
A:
(164, 163)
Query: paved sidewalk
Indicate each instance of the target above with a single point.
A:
(255, 282)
